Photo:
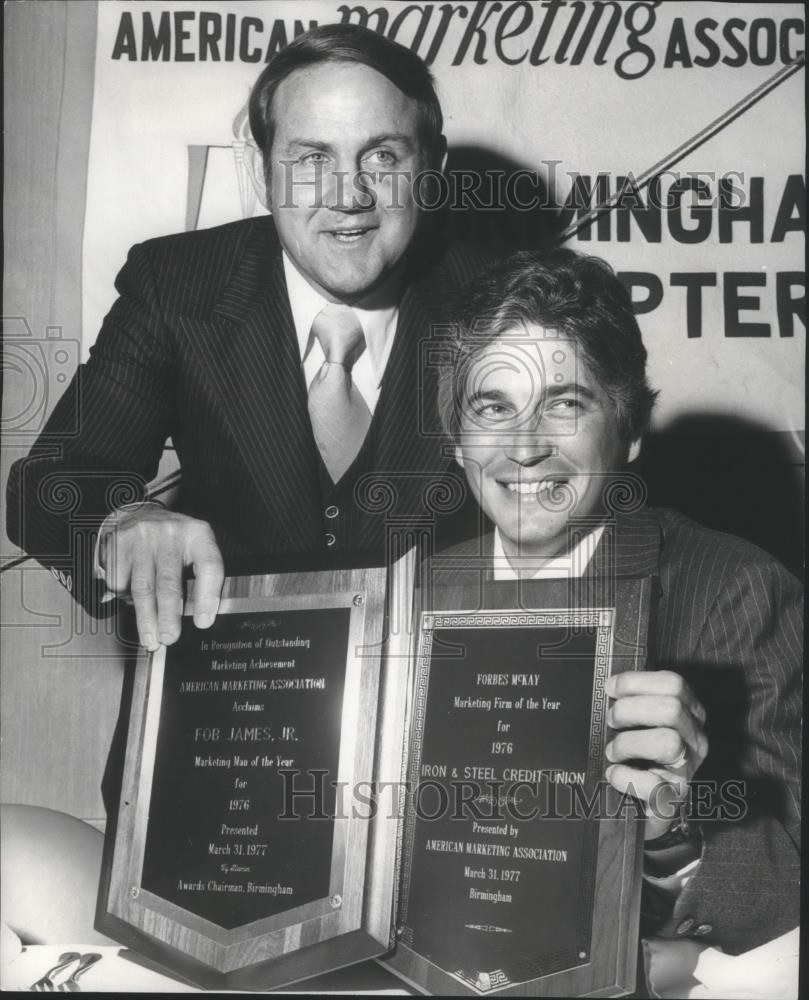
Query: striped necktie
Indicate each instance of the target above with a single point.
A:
(339, 414)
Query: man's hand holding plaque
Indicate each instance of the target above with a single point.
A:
(661, 724)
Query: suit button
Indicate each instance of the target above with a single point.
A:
(685, 926)
(330, 539)
(703, 929)
(332, 511)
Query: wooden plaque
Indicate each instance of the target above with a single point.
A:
(248, 851)
(520, 865)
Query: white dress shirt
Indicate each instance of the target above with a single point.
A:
(572, 564)
(378, 327)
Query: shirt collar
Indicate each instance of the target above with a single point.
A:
(572, 564)
(378, 323)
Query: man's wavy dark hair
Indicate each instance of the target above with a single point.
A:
(348, 43)
(580, 299)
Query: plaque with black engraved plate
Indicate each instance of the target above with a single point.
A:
(247, 851)
(520, 865)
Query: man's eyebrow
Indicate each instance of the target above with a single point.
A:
(563, 388)
(378, 140)
(489, 395)
(305, 143)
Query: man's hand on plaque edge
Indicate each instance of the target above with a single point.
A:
(143, 555)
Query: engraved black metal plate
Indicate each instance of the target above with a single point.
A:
(499, 856)
(244, 704)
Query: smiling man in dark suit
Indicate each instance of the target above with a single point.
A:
(547, 399)
(280, 355)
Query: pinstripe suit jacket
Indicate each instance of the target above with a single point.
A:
(729, 619)
(200, 347)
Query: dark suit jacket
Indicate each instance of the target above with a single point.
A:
(200, 347)
(729, 619)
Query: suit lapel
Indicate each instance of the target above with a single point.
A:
(249, 352)
(631, 545)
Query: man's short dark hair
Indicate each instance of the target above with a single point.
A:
(348, 43)
(578, 297)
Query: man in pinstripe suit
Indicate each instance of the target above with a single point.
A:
(546, 399)
(212, 343)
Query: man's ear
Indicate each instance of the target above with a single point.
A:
(634, 450)
(253, 161)
(459, 455)
(441, 154)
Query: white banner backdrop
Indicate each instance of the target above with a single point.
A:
(565, 91)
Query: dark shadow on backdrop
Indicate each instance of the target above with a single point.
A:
(486, 189)
(733, 475)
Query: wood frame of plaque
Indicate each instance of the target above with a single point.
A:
(483, 909)
(208, 870)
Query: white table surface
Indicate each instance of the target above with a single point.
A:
(123, 971)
